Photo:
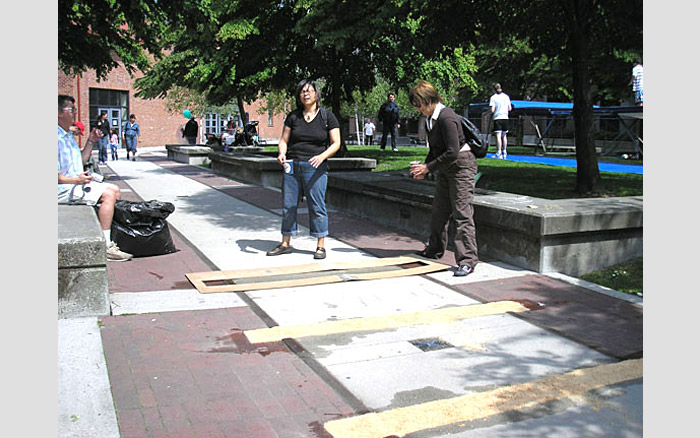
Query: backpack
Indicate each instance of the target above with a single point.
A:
(475, 139)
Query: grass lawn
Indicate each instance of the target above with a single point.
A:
(537, 180)
(626, 277)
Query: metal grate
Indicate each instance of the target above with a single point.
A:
(431, 344)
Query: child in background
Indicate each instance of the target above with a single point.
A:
(114, 144)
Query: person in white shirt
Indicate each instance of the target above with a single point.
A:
(500, 107)
(369, 132)
(637, 82)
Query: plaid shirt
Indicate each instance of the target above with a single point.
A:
(70, 159)
(638, 75)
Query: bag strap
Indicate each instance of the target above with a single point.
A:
(324, 119)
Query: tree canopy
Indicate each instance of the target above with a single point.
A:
(237, 49)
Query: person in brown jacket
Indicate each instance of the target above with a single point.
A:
(456, 168)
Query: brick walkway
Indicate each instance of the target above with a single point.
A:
(192, 373)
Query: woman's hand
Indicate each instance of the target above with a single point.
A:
(418, 171)
(316, 160)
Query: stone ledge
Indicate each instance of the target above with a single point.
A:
(571, 236)
(264, 169)
(83, 287)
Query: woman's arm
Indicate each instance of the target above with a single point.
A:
(316, 160)
(282, 145)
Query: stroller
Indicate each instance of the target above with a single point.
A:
(248, 136)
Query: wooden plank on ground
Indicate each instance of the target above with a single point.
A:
(384, 322)
(310, 274)
(480, 405)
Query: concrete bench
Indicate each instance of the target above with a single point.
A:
(571, 236)
(83, 286)
(193, 154)
(264, 170)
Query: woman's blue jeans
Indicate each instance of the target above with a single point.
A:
(104, 148)
(131, 143)
(310, 182)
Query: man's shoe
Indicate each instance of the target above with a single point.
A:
(463, 271)
(280, 249)
(320, 253)
(115, 254)
(394, 149)
(428, 255)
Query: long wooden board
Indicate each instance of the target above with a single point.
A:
(310, 274)
(384, 322)
(480, 405)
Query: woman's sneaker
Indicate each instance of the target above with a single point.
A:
(115, 254)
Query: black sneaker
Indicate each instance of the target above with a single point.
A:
(463, 271)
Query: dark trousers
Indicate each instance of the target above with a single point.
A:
(386, 129)
(454, 193)
(368, 139)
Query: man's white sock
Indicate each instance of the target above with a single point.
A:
(108, 235)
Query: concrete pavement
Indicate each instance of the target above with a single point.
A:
(173, 362)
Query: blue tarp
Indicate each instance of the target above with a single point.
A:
(570, 162)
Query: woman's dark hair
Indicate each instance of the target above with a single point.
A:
(423, 93)
(300, 86)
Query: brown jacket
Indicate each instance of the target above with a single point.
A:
(445, 139)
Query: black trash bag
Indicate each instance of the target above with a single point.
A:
(133, 213)
(139, 228)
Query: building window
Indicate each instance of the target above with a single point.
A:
(216, 123)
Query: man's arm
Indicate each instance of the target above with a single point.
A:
(87, 149)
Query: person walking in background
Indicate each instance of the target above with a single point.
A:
(131, 134)
(310, 136)
(389, 116)
(456, 168)
(74, 181)
(103, 125)
(637, 82)
(191, 130)
(114, 144)
(369, 132)
(500, 107)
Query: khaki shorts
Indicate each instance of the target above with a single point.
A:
(87, 194)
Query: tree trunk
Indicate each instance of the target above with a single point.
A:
(587, 174)
(336, 88)
(241, 109)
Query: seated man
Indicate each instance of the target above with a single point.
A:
(73, 181)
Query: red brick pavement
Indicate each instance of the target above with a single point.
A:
(607, 324)
(191, 374)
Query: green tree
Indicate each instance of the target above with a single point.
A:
(100, 34)
(572, 36)
(224, 50)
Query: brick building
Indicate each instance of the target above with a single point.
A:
(116, 95)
